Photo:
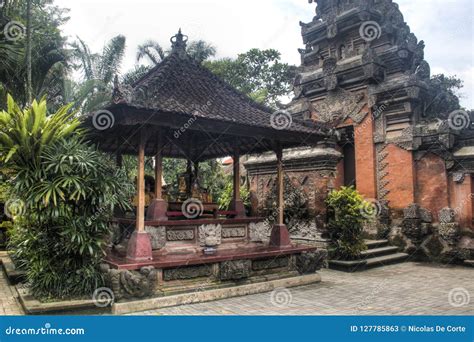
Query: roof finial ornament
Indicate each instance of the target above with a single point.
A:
(178, 42)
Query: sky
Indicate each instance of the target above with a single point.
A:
(234, 27)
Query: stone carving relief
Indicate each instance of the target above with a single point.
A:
(189, 272)
(259, 231)
(131, 284)
(180, 235)
(158, 236)
(234, 232)
(210, 234)
(234, 269)
(339, 105)
(310, 262)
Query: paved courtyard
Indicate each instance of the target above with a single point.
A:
(402, 289)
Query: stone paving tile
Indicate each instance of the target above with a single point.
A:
(9, 304)
(403, 289)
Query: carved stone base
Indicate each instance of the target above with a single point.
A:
(310, 262)
(139, 247)
(157, 210)
(280, 236)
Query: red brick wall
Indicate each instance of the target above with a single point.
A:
(432, 184)
(461, 200)
(401, 177)
(365, 157)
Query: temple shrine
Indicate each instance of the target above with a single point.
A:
(181, 110)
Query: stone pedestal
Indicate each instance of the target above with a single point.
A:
(157, 210)
(239, 207)
(139, 247)
(280, 237)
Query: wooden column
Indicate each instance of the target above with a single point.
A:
(280, 236)
(158, 207)
(237, 205)
(141, 187)
(139, 245)
(280, 186)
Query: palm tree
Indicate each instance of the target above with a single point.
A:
(199, 50)
(151, 50)
(99, 70)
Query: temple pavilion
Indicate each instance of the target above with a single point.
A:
(179, 109)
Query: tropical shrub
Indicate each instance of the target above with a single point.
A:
(65, 191)
(25, 133)
(228, 194)
(69, 198)
(346, 220)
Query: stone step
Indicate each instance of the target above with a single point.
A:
(375, 252)
(469, 263)
(386, 259)
(347, 265)
(376, 243)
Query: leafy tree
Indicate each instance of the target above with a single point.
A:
(151, 50)
(98, 70)
(444, 95)
(45, 71)
(257, 73)
(228, 194)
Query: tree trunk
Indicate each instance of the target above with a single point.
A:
(29, 91)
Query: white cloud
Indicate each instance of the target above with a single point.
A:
(236, 26)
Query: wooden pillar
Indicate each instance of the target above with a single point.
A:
(139, 245)
(237, 205)
(280, 236)
(141, 187)
(158, 207)
(280, 186)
